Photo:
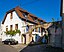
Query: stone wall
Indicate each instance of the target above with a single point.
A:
(56, 35)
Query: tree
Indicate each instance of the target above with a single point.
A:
(12, 32)
(53, 20)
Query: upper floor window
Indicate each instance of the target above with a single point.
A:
(6, 29)
(34, 30)
(39, 30)
(11, 16)
(11, 27)
(16, 26)
(27, 28)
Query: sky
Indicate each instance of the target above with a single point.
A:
(45, 9)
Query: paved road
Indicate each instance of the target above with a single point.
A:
(6, 48)
(23, 48)
(41, 48)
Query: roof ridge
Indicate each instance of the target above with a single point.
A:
(20, 11)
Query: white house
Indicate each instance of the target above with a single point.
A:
(20, 19)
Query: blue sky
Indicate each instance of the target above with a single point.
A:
(45, 9)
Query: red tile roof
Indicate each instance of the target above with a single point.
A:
(20, 12)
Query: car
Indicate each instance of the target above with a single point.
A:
(10, 41)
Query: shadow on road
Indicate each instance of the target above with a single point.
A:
(41, 48)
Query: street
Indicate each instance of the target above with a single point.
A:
(26, 48)
(6, 48)
(41, 48)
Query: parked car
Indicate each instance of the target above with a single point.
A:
(10, 41)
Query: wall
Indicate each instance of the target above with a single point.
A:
(15, 20)
(56, 35)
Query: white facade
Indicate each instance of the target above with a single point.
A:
(15, 20)
(63, 7)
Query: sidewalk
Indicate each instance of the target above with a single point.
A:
(18, 46)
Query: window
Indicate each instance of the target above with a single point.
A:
(6, 29)
(27, 28)
(16, 26)
(34, 30)
(32, 17)
(41, 22)
(24, 15)
(11, 27)
(39, 30)
(36, 20)
(11, 16)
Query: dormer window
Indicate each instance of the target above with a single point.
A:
(24, 14)
(33, 18)
(41, 22)
(36, 20)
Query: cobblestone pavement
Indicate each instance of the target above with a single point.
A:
(41, 48)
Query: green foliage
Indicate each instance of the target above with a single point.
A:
(18, 31)
(8, 32)
(53, 20)
(13, 32)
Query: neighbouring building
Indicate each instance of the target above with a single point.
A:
(55, 34)
(17, 18)
(62, 16)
